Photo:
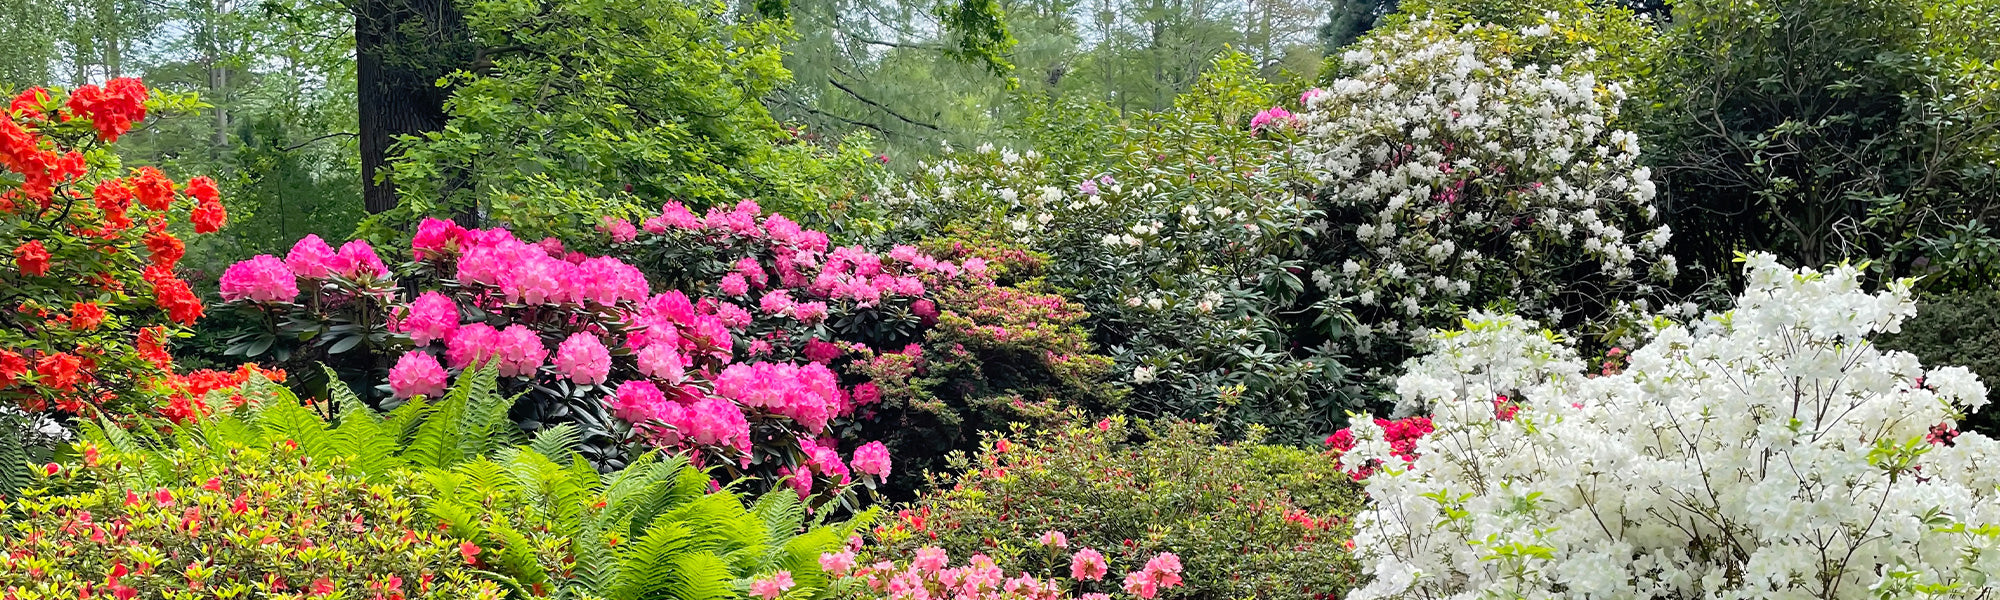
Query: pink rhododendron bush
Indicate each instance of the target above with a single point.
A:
(1770, 451)
(771, 353)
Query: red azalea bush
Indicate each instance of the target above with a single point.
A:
(88, 294)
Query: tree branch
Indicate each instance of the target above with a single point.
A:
(879, 106)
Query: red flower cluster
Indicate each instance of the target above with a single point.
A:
(1402, 435)
(86, 260)
(112, 108)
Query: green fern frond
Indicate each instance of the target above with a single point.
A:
(14, 474)
(647, 562)
(343, 398)
(558, 442)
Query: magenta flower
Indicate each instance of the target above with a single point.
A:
(433, 316)
(355, 259)
(583, 359)
(417, 374)
(309, 257)
(519, 350)
(871, 458)
(263, 278)
(436, 238)
(469, 345)
(734, 284)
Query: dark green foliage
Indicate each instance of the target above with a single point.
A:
(1959, 328)
(1824, 130)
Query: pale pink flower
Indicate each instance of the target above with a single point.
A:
(837, 563)
(620, 230)
(1054, 539)
(662, 361)
(1088, 565)
(771, 587)
(930, 560)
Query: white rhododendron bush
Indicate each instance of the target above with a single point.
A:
(1452, 176)
(1766, 452)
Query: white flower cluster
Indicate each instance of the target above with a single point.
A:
(1769, 452)
(1453, 177)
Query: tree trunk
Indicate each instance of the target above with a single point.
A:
(402, 48)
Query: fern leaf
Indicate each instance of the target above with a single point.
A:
(558, 442)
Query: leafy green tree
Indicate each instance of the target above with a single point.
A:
(591, 107)
(1824, 130)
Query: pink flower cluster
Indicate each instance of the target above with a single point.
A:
(312, 258)
(583, 359)
(873, 459)
(1163, 571)
(808, 394)
(541, 273)
(260, 279)
(929, 576)
(686, 418)
(432, 317)
(1272, 118)
(264, 278)
(417, 373)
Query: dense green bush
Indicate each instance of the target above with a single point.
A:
(1827, 130)
(1247, 520)
(582, 109)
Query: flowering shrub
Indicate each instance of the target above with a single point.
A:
(1246, 520)
(1453, 177)
(934, 347)
(928, 575)
(262, 520)
(1768, 451)
(1186, 246)
(89, 299)
(547, 319)
(1957, 328)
